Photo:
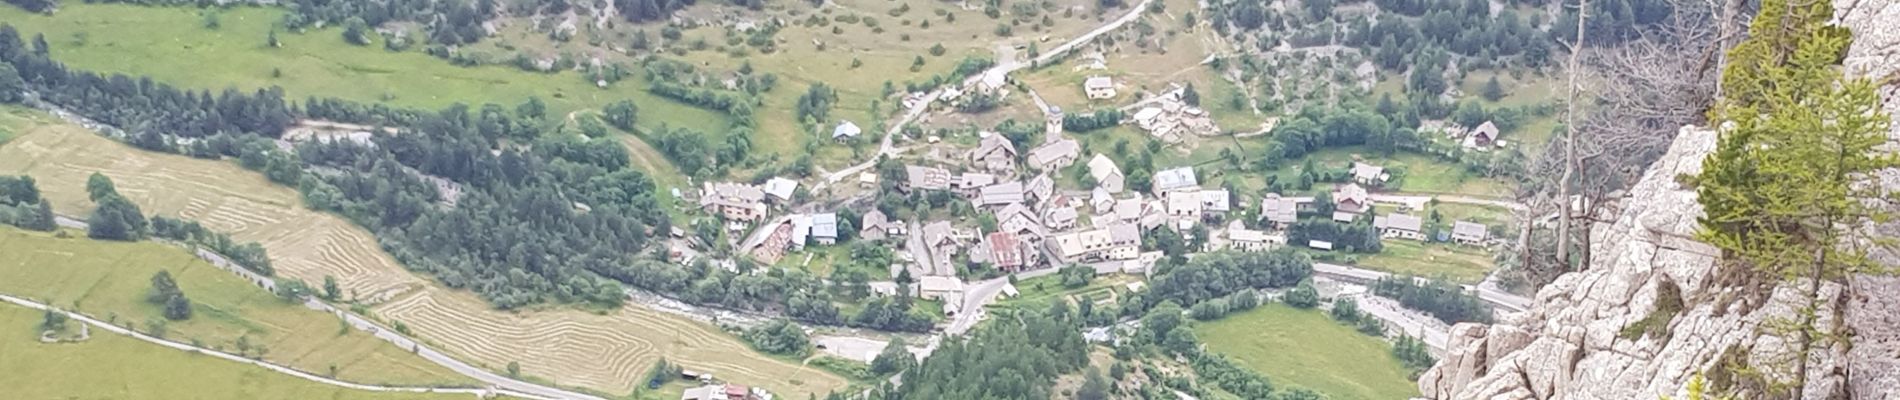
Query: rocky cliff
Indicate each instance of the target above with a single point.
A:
(1572, 344)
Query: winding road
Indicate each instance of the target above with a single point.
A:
(1003, 67)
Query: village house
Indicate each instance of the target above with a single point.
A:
(1040, 188)
(1000, 194)
(772, 241)
(1018, 220)
(970, 184)
(1248, 240)
(995, 154)
(1184, 205)
(1482, 137)
(1215, 203)
(1106, 174)
(1352, 198)
(1344, 217)
(1469, 233)
(715, 392)
(1368, 174)
(736, 202)
(1099, 87)
(801, 231)
(1127, 210)
(824, 228)
(1100, 200)
(940, 245)
(846, 131)
(943, 288)
(867, 179)
(1400, 226)
(1115, 242)
(1279, 212)
(781, 189)
(1054, 155)
(1060, 218)
(926, 178)
(877, 226)
(1175, 179)
(1010, 254)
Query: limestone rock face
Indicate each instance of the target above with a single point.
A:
(1570, 345)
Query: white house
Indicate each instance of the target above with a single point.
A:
(1469, 233)
(1175, 179)
(845, 131)
(1099, 87)
(1106, 174)
(1400, 226)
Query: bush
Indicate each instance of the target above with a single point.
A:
(779, 337)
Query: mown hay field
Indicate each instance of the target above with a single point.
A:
(109, 280)
(109, 366)
(566, 346)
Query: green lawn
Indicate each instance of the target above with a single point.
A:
(1039, 291)
(109, 280)
(172, 45)
(1307, 349)
(109, 366)
(1423, 174)
(1461, 264)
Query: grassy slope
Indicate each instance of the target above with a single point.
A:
(617, 346)
(1459, 263)
(1304, 348)
(171, 45)
(110, 366)
(109, 280)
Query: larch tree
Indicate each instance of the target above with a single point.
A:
(1790, 190)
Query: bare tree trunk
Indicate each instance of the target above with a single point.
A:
(1570, 138)
(1722, 31)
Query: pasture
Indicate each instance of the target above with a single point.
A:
(109, 366)
(171, 45)
(109, 280)
(1305, 348)
(1457, 263)
(571, 347)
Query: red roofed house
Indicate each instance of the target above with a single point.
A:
(1008, 253)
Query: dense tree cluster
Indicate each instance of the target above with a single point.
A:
(1414, 354)
(449, 22)
(895, 357)
(779, 337)
(248, 255)
(1444, 300)
(1358, 237)
(1010, 358)
(649, 10)
(1214, 275)
(165, 293)
(115, 218)
(22, 206)
(1084, 122)
(1346, 311)
(38, 6)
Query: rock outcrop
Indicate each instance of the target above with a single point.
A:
(1572, 343)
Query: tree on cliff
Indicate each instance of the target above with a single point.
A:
(1786, 192)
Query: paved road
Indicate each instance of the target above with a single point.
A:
(482, 393)
(1493, 295)
(511, 386)
(978, 296)
(1003, 67)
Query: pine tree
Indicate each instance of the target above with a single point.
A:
(1492, 89)
(1784, 194)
